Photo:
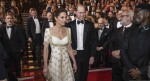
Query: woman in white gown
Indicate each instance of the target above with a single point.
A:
(59, 38)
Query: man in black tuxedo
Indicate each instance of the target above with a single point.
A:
(102, 44)
(47, 23)
(116, 44)
(13, 41)
(83, 36)
(136, 48)
(71, 13)
(34, 36)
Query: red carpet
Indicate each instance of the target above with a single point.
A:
(103, 74)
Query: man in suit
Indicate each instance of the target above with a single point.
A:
(71, 13)
(135, 51)
(47, 23)
(83, 36)
(13, 41)
(116, 44)
(102, 44)
(34, 36)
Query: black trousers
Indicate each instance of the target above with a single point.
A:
(117, 70)
(83, 66)
(3, 74)
(36, 48)
(13, 64)
(100, 55)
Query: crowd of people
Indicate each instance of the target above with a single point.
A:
(93, 33)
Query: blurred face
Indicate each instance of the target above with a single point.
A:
(119, 15)
(100, 23)
(49, 3)
(13, 4)
(61, 19)
(97, 15)
(139, 16)
(71, 10)
(110, 14)
(125, 19)
(106, 21)
(87, 13)
(49, 16)
(80, 13)
(68, 19)
(9, 19)
(2, 4)
(33, 13)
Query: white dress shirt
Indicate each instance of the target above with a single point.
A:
(37, 24)
(88, 8)
(119, 24)
(8, 31)
(80, 33)
(100, 33)
(51, 24)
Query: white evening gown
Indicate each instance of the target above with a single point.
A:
(59, 67)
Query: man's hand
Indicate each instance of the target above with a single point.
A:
(75, 52)
(116, 54)
(135, 73)
(91, 60)
(29, 39)
(99, 48)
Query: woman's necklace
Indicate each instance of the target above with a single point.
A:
(60, 32)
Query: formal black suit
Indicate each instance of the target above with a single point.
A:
(136, 51)
(116, 44)
(89, 45)
(13, 46)
(102, 42)
(36, 39)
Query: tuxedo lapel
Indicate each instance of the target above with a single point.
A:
(47, 24)
(5, 33)
(85, 31)
(74, 30)
(103, 33)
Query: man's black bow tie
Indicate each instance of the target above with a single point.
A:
(9, 26)
(35, 17)
(106, 25)
(71, 14)
(78, 22)
(100, 28)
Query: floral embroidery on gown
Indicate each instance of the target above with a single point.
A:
(59, 67)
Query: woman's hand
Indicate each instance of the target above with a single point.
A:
(74, 67)
(45, 71)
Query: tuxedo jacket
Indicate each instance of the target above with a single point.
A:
(89, 37)
(136, 50)
(117, 40)
(45, 25)
(16, 42)
(3, 54)
(31, 28)
(103, 42)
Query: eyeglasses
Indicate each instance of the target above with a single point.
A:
(125, 16)
(99, 23)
